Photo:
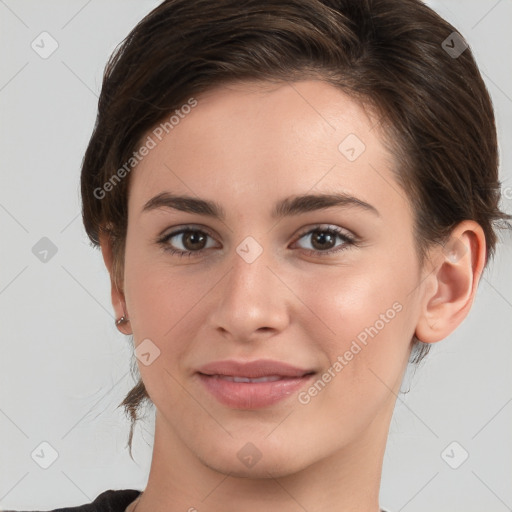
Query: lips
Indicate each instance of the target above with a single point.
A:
(253, 369)
(254, 384)
(270, 378)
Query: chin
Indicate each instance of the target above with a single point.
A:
(260, 459)
(261, 470)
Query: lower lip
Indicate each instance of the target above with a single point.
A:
(252, 395)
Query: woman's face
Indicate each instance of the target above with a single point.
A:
(286, 288)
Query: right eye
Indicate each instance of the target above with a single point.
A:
(192, 240)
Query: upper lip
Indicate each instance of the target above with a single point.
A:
(252, 369)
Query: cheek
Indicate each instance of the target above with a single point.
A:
(353, 301)
(362, 327)
(162, 310)
(157, 297)
(165, 306)
(364, 320)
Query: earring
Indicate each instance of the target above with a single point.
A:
(122, 320)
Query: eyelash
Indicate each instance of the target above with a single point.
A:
(348, 241)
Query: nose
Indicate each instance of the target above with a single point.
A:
(251, 300)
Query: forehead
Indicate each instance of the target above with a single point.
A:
(249, 142)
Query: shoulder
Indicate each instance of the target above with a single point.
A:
(107, 501)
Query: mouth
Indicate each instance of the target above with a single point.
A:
(234, 378)
(252, 385)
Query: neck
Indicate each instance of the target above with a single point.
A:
(347, 480)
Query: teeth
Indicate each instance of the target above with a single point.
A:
(270, 378)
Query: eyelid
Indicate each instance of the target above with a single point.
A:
(326, 227)
(176, 230)
(304, 231)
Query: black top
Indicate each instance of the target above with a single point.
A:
(108, 501)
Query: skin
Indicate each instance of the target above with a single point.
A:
(247, 146)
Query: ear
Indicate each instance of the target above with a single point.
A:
(452, 284)
(117, 295)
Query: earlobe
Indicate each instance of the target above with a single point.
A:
(122, 321)
(452, 284)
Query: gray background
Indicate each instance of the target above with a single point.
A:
(64, 367)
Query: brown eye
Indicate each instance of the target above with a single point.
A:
(192, 242)
(323, 240)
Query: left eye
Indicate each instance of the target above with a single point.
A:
(323, 240)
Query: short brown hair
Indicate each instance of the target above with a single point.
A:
(389, 54)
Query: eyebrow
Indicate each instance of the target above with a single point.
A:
(289, 206)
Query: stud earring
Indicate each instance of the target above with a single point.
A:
(122, 320)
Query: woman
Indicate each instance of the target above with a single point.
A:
(294, 199)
